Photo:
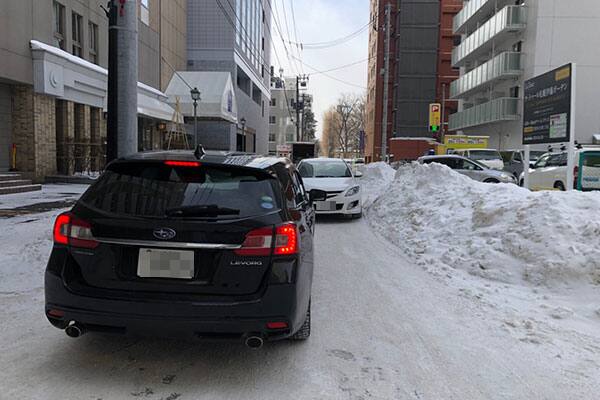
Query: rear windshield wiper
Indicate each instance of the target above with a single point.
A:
(211, 210)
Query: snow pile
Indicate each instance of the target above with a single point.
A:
(376, 177)
(500, 232)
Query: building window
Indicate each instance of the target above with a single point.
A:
(59, 25)
(93, 35)
(272, 136)
(273, 102)
(77, 34)
(145, 12)
(272, 119)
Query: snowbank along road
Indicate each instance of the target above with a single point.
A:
(388, 322)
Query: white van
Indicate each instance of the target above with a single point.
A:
(489, 157)
(550, 171)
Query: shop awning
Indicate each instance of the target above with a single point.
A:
(65, 76)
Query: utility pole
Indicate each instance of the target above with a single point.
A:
(299, 104)
(122, 132)
(386, 81)
(443, 134)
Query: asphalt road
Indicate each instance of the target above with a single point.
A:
(382, 329)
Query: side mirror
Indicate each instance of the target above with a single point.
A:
(317, 195)
(358, 174)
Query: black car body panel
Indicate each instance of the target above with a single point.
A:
(230, 292)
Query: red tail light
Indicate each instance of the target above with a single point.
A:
(182, 163)
(70, 230)
(286, 241)
(257, 243)
(260, 242)
(277, 325)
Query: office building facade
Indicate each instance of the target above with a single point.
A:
(504, 43)
(53, 83)
(421, 41)
(234, 36)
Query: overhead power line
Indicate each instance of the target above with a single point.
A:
(298, 47)
(275, 15)
(332, 43)
(333, 78)
(341, 67)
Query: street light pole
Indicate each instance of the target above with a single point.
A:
(195, 93)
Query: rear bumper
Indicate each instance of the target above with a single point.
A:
(200, 319)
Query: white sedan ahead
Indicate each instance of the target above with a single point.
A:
(334, 176)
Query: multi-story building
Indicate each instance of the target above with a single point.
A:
(421, 41)
(505, 43)
(233, 36)
(53, 81)
(282, 114)
(375, 79)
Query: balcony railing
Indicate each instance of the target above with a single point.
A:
(509, 19)
(504, 65)
(503, 109)
(474, 9)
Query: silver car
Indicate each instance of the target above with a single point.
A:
(473, 169)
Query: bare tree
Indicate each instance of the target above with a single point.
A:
(329, 137)
(348, 122)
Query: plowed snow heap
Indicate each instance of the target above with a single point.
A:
(502, 232)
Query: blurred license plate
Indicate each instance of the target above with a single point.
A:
(158, 263)
(325, 205)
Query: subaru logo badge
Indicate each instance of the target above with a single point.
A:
(164, 233)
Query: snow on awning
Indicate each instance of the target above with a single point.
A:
(216, 92)
(154, 108)
(67, 77)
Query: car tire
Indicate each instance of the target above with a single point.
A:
(559, 186)
(522, 182)
(491, 181)
(304, 331)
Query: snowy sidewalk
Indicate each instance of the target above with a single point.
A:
(51, 197)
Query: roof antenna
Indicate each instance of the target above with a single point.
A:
(199, 152)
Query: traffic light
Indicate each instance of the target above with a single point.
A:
(435, 117)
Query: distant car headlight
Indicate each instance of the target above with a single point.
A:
(353, 191)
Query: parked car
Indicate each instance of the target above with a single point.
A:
(470, 168)
(170, 244)
(355, 163)
(488, 157)
(335, 177)
(514, 160)
(550, 171)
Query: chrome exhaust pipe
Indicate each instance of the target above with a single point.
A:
(254, 342)
(74, 330)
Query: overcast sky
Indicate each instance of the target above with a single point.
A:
(324, 21)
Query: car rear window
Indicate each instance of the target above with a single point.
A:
(324, 169)
(591, 160)
(154, 189)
